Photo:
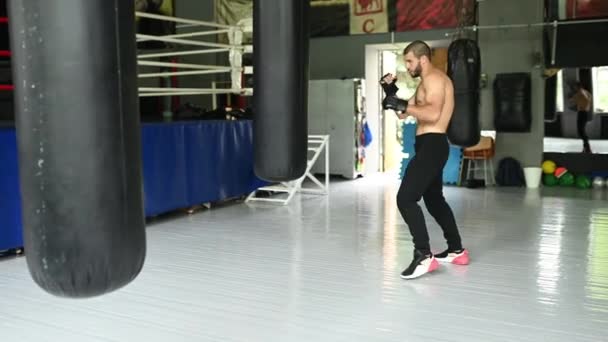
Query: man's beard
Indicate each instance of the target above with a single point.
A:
(416, 72)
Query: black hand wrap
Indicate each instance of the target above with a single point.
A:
(391, 101)
(390, 89)
(394, 103)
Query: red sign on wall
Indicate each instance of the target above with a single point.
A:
(364, 7)
(579, 9)
(433, 14)
(368, 16)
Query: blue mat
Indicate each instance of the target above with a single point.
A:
(184, 164)
(451, 171)
(10, 205)
(189, 163)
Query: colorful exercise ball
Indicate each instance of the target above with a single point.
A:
(548, 167)
(560, 171)
(566, 179)
(583, 182)
(598, 182)
(549, 179)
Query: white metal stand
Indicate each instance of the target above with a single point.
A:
(316, 145)
(488, 167)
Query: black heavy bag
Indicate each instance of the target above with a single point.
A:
(78, 143)
(512, 103)
(280, 126)
(464, 68)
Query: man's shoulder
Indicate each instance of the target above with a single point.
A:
(438, 78)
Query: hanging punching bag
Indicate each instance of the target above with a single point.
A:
(513, 102)
(280, 125)
(78, 135)
(464, 70)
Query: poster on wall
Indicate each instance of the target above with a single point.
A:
(154, 27)
(576, 9)
(368, 16)
(434, 14)
(351, 17)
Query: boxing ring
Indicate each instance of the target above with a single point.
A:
(235, 50)
(180, 159)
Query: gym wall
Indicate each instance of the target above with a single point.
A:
(510, 51)
(502, 51)
(344, 56)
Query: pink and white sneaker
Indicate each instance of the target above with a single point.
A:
(421, 265)
(460, 257)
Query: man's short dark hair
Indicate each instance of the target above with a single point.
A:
(576, 85)
(419, 49)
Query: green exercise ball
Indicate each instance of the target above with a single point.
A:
(549, 179)
(583, 182)
(567, 179)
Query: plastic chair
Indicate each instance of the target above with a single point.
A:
(483, 151)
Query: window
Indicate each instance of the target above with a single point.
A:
(559, 94)
(600, 89)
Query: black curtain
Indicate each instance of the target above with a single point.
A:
(586, 78)
(578, 45)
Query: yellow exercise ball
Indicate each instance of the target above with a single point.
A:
(548, 166)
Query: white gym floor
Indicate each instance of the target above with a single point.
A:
(327, 269)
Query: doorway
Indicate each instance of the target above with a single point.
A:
(388, 58)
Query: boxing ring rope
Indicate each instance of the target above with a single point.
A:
(188, 35)
(183, 73)
(180, 44)
(182, 53)
(167, 39)
(182, 20)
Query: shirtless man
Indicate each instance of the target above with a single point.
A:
(582, 100)
(432, 106)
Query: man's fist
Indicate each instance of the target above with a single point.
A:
(395, 103)
(388, 78)
(391, 101)
(388, 85)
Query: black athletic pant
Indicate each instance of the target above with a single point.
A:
(581, 123)
(424, 179)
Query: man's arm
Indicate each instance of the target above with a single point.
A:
(433, 102)
(412, 99)
(588, 95)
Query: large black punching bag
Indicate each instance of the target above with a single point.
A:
(280, 125)
(464, 69)
(78, 135)
(512, 102)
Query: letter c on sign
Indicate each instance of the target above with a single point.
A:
(367, 24)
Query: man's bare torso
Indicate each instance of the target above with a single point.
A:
(436, 79)
(582, 99)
